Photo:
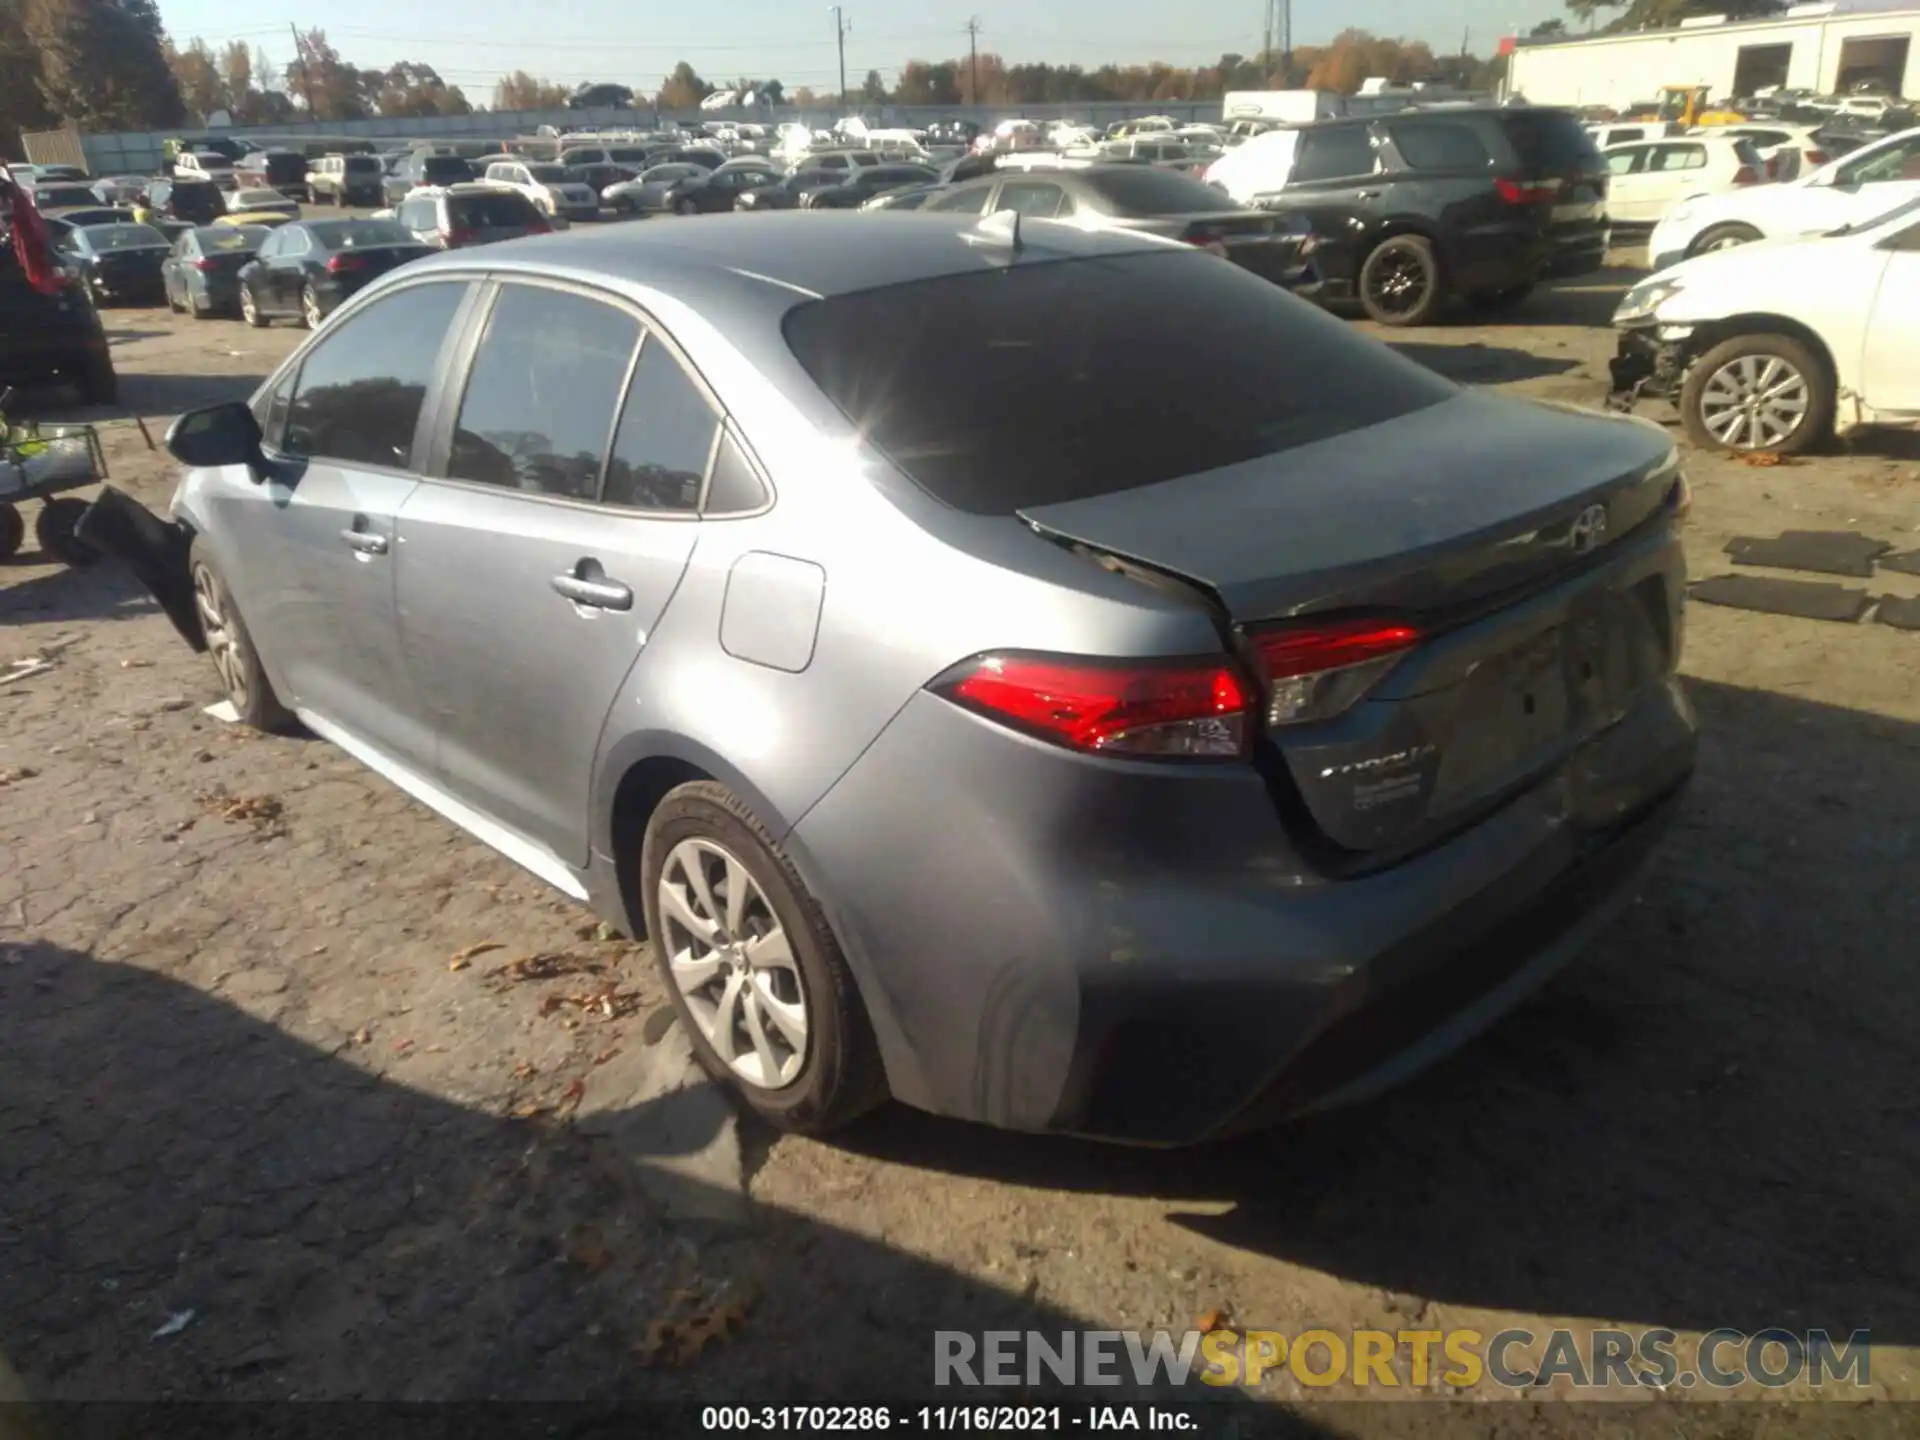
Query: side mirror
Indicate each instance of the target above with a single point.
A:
(216, 435)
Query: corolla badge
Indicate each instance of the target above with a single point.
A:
(1588, 529)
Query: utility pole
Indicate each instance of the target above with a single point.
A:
(973, 57)
(306, 70)
(1266, 38)
(841, 25)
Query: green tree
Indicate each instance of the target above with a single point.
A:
(411, 88)
(683, 89)
(521, 91)
(873, 89)
(1554, 29)
(21, 105)
(203, 89)
(103, 65)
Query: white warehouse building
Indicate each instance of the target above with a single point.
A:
(1826, 48)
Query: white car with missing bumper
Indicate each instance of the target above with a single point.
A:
(1776, 345)
(1850, 191)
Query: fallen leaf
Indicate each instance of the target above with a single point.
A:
(525, 1070)
(466, 953)
(571, 1097)
(400, 1047)
(679, 1343)
(362, 1036)
(456, 963)
(527, 1110)
(605, 1055)
(1762, 459)
(11, 773)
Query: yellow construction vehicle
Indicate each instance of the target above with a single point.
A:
(1681, 107)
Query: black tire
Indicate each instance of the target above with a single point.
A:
(840, 1075)
(13, 529)
(1722, 237)
(235, 660)
(1815, 425)
(53, 529)
(172, 304)
(250, 308)
(1400, 282)
(96, 381)
(684, 206)
(1494, 301)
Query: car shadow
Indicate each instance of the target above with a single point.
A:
(1709, 1120)
(199, 1204)
(1472, 363)
(102, 591)
(1583, 300)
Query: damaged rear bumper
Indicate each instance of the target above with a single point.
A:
(155, 549)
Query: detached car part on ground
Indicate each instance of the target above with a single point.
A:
(1305, 712)
(1774, 345)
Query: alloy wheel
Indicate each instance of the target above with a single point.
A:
(1398, 282)
(248, 310)
(222, 643)
(730, 957)
(1724, 242)
(1754, 402)
(310, 308)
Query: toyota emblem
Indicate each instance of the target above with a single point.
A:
(1589, 528)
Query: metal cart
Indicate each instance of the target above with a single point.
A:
(41, 462)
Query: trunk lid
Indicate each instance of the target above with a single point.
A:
(1494, 527)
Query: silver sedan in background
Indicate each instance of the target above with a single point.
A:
(1053, 677)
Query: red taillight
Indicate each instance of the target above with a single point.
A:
(340, 263)
(1168, 708)
(1746, 175)
(1315, 671)
(204, 265)
(1816, 158)
(1515, 193)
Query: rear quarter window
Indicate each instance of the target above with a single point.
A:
(1550, 140)
(1439, 145)
(1009, 388)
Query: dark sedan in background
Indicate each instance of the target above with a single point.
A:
(1148, 200)
(785, 194)
(304, 270)
(685, 189)
(51, 198)
(202, 271)
(866, 183)
(412, 171)
(117, 262)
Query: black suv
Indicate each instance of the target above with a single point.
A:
(199, 202)
(1481, 202)
(44, 336)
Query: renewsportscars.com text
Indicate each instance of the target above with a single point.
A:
(1417, 1359)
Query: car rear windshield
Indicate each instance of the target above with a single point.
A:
(1553, 141)
(1139, 190)
(123, 237)
(361, 164)
(348, 234)
(444, 168)
(52, 197)
(466, 212)
(546, 174)
(1045, 382)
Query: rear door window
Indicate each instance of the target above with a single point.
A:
(1439, 145)
(667, 430)
(540, 398)
(1339, 153)
(1678, 157)
(1627, 162)
(1010, 388)
(361, 388)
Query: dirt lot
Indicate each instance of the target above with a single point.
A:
(253, 1074)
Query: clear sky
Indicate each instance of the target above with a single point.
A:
(472, 42)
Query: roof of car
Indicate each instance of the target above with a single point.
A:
(820, 253)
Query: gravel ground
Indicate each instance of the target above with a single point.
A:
(254, 1072)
